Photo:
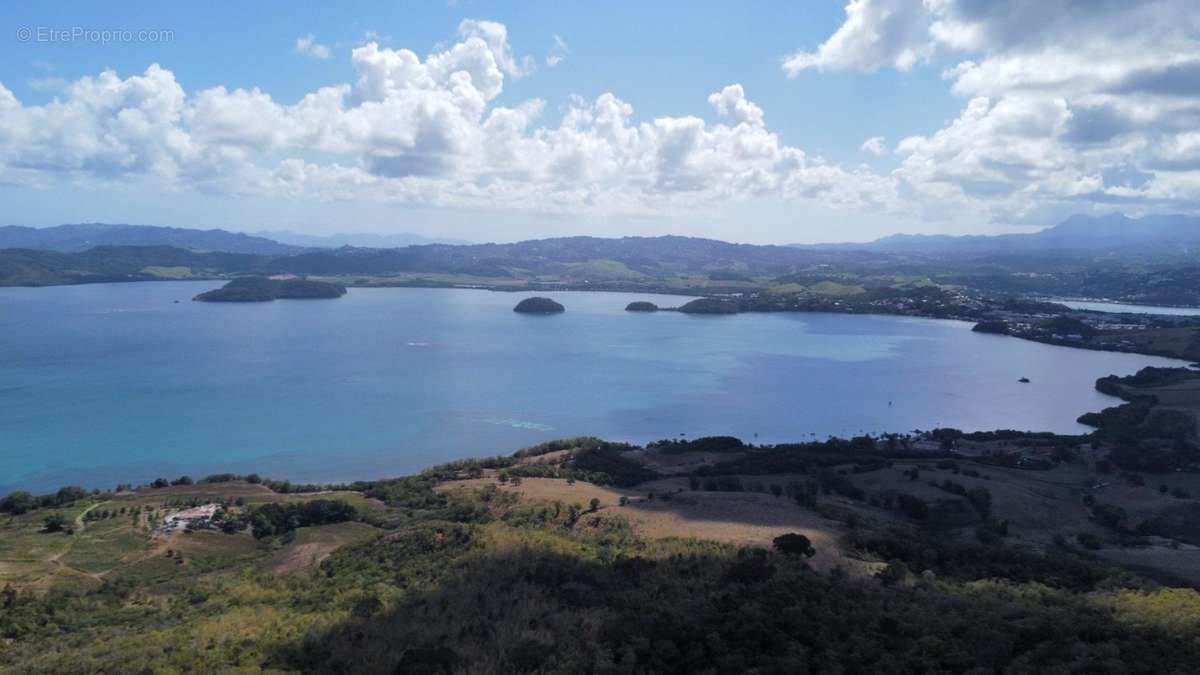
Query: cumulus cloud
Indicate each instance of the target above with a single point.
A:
(308, 46)
(1046, 125)
(420, 130)
(495, 35)
(876, 33)
(1062, 100)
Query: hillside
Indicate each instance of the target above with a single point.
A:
(905, 554)
(84, 236)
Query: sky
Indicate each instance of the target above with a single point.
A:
(753, 122)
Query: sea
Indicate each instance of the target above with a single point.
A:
(122, 383)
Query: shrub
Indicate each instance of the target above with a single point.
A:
(794, 543)
(55, 522)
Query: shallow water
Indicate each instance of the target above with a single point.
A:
(111, 383)
(1122, 308)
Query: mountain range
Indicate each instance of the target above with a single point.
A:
(1113, 233)
(357, 239)
(83, 236)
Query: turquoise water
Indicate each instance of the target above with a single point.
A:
(112, 383)
(1122, 308)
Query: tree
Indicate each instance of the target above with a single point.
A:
(69, 494)
(595, 504)
(55, 522)
(794, 544)
(17, 503)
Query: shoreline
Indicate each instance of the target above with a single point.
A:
(1095, 423)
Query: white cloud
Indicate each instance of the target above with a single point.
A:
(1061, 99)
(308, 46)
(1045, 127)
(876, 33)
(420, 131)
(558, 52)
(495, 35)
(875, 146)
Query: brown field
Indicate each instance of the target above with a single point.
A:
(745, 518)
(314, 544)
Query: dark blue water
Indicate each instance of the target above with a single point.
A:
(113, 383)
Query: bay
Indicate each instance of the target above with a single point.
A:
(109, 383)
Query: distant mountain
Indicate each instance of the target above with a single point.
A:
(83, 236)
(358, 239)
(584, 260)
(1114, 233)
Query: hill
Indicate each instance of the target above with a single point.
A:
(1114, 233)
(708, 555)
(84, 236)
(358, 239)
(1151, 273)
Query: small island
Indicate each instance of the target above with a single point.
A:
(641, 306)
(710, 306)
(538, 305)
(266, 289)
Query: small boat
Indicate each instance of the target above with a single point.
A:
(1024, 380)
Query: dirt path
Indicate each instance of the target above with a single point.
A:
(56, 560)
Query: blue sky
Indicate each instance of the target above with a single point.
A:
(885, 68)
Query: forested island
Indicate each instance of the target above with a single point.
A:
(538, 305)
(265, 289)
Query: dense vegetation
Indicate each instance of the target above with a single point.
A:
(710, 306)
(502, 591)
(264, 289)
(538, 305)
(1147, 437)
(641, 306)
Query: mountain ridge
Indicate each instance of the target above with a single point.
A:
(1174, 232)
(78, 237)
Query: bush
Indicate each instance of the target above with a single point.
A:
(793, 543)
(275, 519)
(55, 522)
(17, 503)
